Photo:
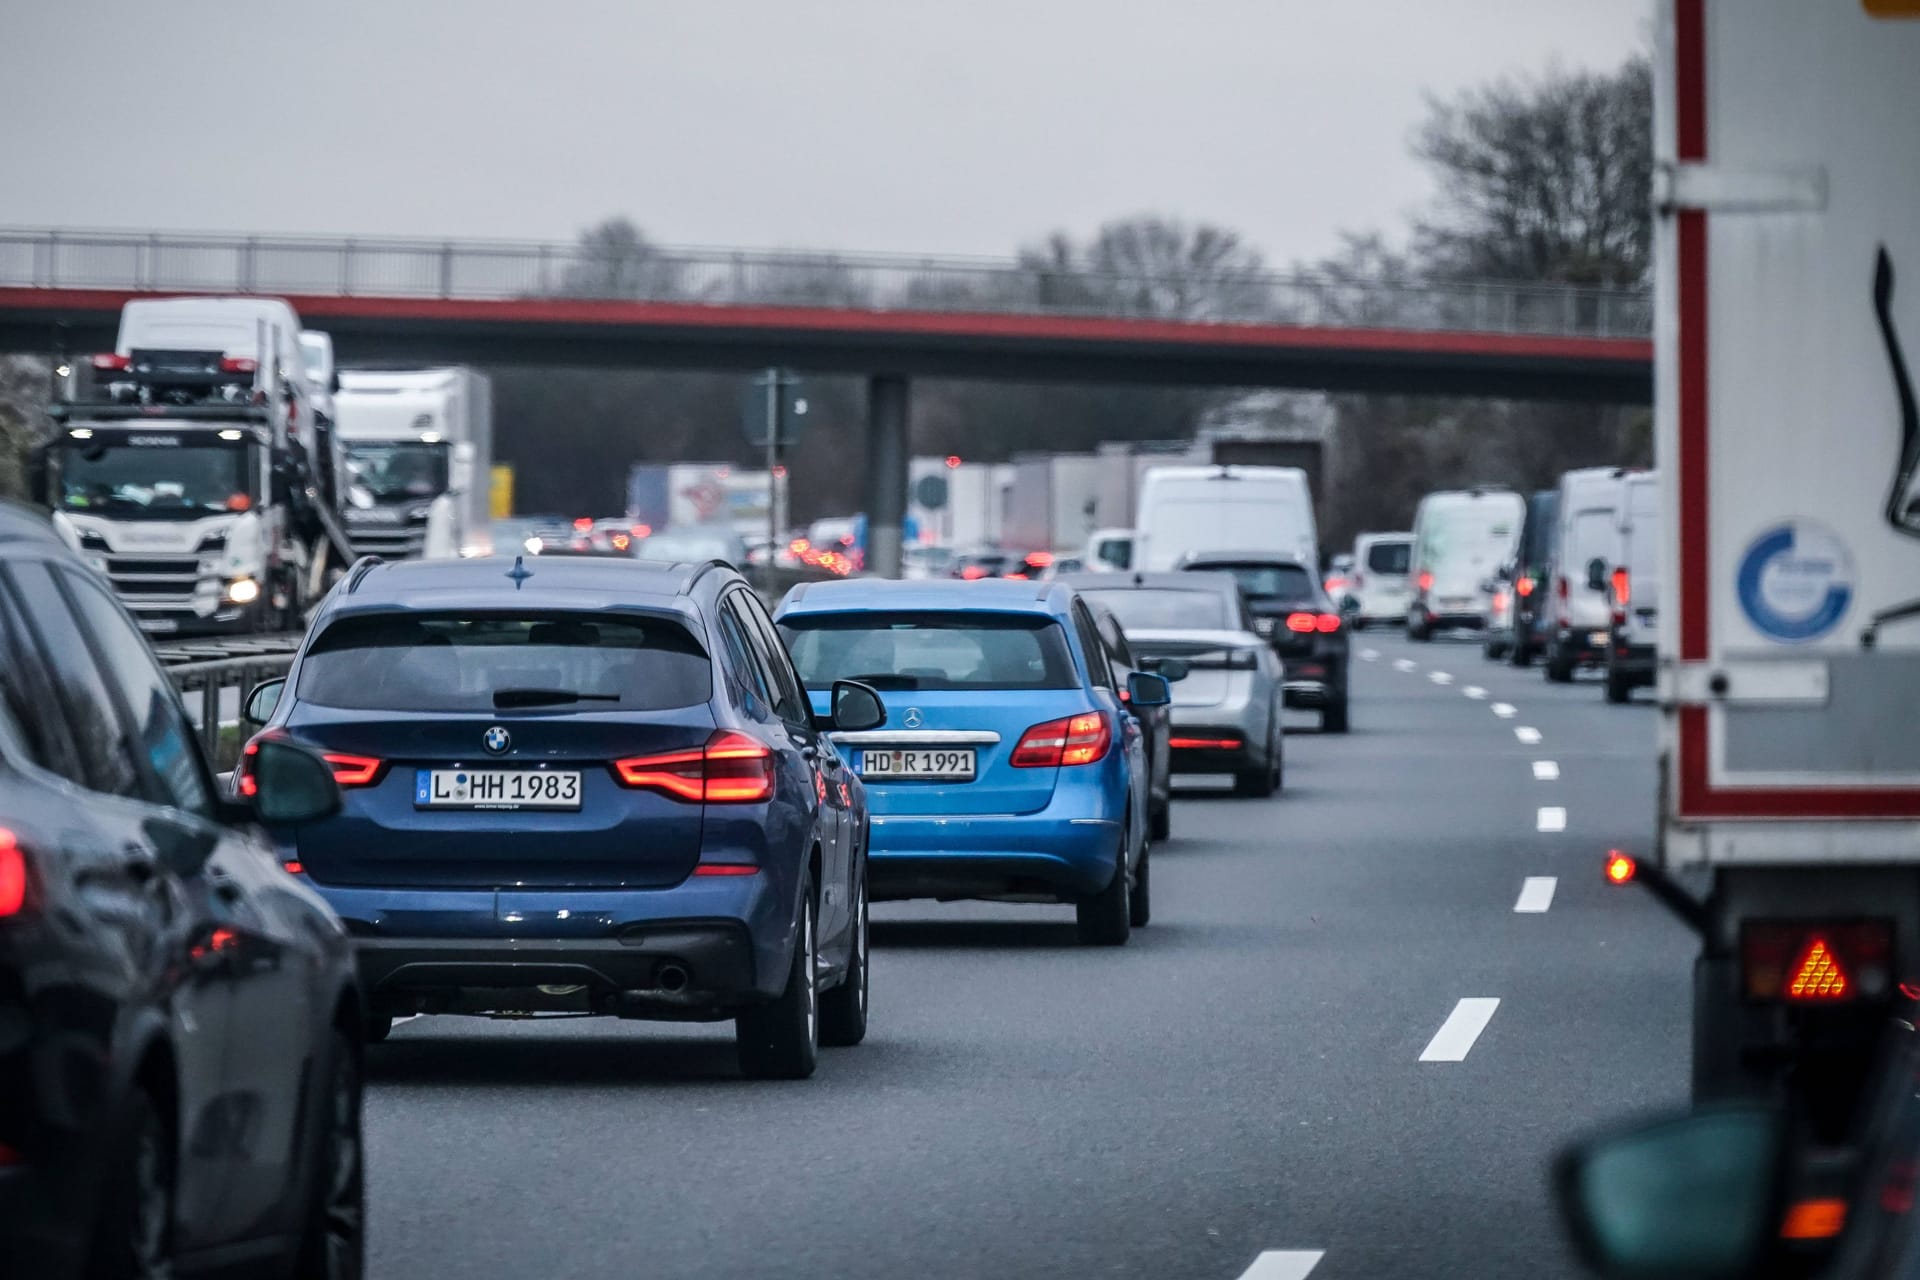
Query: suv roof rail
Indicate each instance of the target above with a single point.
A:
(360, 569)
(700, 571)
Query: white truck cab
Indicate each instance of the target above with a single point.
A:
(418, 446)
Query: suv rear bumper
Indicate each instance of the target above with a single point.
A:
(704, 946)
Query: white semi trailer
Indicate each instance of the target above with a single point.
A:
(419, 448)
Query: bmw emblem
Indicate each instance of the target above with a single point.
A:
(496, 740)
(913, 719)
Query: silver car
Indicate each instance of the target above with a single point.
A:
(1193, 628)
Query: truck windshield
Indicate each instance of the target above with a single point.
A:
(397, 470)
(175, 481)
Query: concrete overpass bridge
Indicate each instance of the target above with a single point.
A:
(890, 318)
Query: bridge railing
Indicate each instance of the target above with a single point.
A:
(359, 267)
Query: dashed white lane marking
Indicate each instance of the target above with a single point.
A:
(1504, 710)
(1474, 691)
(1536, 894)
(1546, 770)
(1369, 655)
(1462, 1027)
(1403, 664)
(1526, 733)
(1550, 818)
(1440, 677)
(1284, 1264)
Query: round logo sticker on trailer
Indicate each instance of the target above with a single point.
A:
(1796, 581)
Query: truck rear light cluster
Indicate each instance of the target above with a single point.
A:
(111, 362)
(732, 768)
(1818, 962)
(239, 364)
(1072, 740)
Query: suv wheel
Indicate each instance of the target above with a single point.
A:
(1106, 918)
(780, 1040)
(843, 1010)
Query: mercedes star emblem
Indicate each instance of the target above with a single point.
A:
(913, 718)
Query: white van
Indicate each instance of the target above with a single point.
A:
(1379, 588)
(1578, 616)
(1224, 508)
(323, 379)
(1633, 587)
(1108, 551)
(1461, 537)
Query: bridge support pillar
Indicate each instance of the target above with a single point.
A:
(886, 472)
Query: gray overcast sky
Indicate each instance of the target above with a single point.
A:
(969, 126)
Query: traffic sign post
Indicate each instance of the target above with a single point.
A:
(779, 396)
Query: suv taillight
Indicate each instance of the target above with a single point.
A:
(1080, 739)
(1817, 962)
(731, 768)
(348, 770)
(13, 874)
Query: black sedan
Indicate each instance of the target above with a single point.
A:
(179, 1023)
(1290, 608)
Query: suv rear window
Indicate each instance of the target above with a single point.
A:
(1389, 557)
(1272, 581)
(931, 650)
(491, 662)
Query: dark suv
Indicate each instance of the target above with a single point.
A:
(583, 786)
(179, 1023)
(1292, 609)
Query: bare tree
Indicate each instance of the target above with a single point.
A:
(1149, 266)
(614, 259)
(23, 396)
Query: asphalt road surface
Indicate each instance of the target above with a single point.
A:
(1365, 1016)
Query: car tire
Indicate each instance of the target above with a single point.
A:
(1494, 648)
(1421, 631)
(1139, 897)
(1520, 654)
(1334, 718)
(843, 1010)
(333, 1245)
(1559, 665)
(1262, 782)
(1160, 820)
(1619, 688)
(780, 1040)
(1105, 919)
(133, 1232)
(377, 1027)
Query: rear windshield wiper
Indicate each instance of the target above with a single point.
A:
(887, 680)
(505, 698)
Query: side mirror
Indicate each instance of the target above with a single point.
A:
(291, 784)
(1596, 574)
(857, 706)
(1694, 1195)
(262, 699)
(333, 382)
(1174, 669)
(180, 848)
(1148, 689)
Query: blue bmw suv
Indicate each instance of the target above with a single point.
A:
(582, 786)
(1016, 770)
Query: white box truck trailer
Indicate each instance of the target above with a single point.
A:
(1788, 325)
(419, 453)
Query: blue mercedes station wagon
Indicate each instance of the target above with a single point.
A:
(582, 786)
(1010, 767)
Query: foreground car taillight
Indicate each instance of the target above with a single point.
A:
(13, 874)
(1080, 739)
(732, 768)
(1817, 962)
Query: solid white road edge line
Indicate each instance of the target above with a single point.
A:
(1526, 733)
(1440, 677)
(1462, 1027)
(1284, 1264)
(1474, 691)
(1546, 770)
(1550, 818)
(1536, 894)
(1503, 709)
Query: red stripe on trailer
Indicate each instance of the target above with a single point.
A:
(1699, 798)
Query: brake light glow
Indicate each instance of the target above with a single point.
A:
(732, 768)
(1204, 744)
(1560, 586)
(972, 572)
(1039, 559)
(1074, 740)
(1300, 622)
(249, 783)
(238, 364)
(1524, 587)
(293, 868)
(110, 362)
(1334, 584)
(726, 869)
(1621, 868)
(1424, 582)
(13, 874)
(1819, 1219)
(353, 771)
(1622, 588)
(583, 523)
(1326, 623)
(1816, 963)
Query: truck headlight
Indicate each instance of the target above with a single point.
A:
(243, 591)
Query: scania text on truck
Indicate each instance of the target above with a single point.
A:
(1788, 301)
(419, 447)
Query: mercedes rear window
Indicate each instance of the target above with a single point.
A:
(1268, 581)
(1389, 557)
(1164, 608)
(931, 650)
(488, 663)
